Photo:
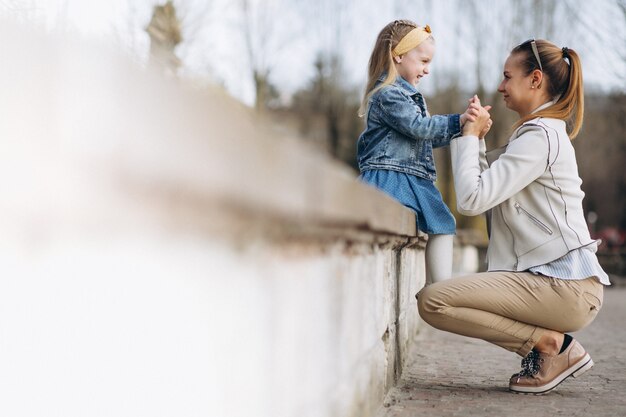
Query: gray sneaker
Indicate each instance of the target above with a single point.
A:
(542, 373)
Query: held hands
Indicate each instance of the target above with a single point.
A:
(476, 120)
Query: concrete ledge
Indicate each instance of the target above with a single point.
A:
(167, 253)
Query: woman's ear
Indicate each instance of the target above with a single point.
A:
(537, 78)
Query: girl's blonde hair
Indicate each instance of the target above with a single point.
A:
(563, 78)
(381, 60)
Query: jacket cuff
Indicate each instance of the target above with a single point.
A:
(454, 126)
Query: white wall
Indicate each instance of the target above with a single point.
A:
(165, 253)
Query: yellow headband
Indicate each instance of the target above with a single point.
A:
(411, 40)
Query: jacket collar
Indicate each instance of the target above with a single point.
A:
(402, 83)
(544, 105)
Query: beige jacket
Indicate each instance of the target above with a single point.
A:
(531, 188)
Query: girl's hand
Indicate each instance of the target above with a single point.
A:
(472, 112)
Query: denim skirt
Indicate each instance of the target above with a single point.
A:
(418, 194)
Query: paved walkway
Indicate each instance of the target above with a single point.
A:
(449, 375)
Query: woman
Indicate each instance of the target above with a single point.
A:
(544, 279)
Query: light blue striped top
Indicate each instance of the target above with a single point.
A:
(580, 263)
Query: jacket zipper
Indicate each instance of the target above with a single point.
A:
(535, 220)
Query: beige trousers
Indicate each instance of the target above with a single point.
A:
(510, 309)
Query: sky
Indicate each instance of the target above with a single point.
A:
(217, 50)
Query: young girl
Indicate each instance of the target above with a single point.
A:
(395, 152)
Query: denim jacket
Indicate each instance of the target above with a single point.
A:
(400, 134)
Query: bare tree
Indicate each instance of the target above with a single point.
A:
(266, 33)
(257, 28)
(21, 10)
(621, 4)
(331, 97)
(327, 110)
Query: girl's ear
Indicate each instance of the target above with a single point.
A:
(398, 59)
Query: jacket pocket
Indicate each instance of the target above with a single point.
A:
(533, 219)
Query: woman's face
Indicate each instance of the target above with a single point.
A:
(516, 86)
(416, 63)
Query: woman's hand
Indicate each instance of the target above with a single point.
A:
(481, 122)
(483, 133)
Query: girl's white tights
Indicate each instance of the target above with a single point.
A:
(439, 258)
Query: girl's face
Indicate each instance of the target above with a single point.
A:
(415, 64)
(516, 87)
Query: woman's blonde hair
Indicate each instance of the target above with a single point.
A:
(563, 78)
(381, 60)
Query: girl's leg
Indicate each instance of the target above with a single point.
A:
(439, 258)
(510, 309)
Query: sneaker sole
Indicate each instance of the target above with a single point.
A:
(576, 370)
